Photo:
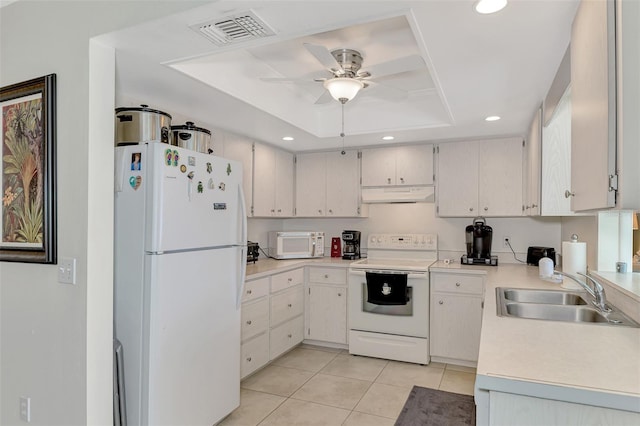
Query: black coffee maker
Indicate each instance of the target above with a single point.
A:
(351, 246)
(478, 240)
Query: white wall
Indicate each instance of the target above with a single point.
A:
(421, 218)
(52, 334)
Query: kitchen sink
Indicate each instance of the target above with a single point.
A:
(552, 297)
(555, 305)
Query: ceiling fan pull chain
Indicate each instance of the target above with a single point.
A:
(343, 152)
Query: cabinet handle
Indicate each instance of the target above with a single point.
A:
(289, 305)
(339, 294)
(279, 210)
(441, 303)
(249, 359)
(486, 208)
(533, 206)
(568, 194)
(457, 284)
(401, 180)
(330, 211)
(388, 180)
(289, 279)
(326, 276)
(470, 209)
(249, 322)
(289, 335)
(273, 211)
(319, 211)
(249, 291)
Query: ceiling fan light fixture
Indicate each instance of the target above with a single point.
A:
(489, 6)
(343, 89)
(492, 118)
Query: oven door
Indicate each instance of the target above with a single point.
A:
(393, 302)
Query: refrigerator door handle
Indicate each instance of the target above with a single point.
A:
(243, 241)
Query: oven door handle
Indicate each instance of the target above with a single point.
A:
(411, 275)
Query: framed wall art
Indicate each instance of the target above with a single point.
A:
(28, 171)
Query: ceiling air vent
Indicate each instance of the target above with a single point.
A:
(234, 29)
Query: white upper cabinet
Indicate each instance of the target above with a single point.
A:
(556, 161)
(480, 178)
(327, 184)
(401, 165)
(531, 167)
(593, 109)
(272, 182)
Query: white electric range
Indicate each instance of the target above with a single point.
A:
(389, 297)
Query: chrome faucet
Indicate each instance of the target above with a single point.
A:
(599, 299)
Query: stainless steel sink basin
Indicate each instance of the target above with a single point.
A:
(554, 312)
(554, 305)
(552, 297)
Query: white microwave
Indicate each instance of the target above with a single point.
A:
(295, 244)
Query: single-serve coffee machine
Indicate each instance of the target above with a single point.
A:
(478, 240)
(351, 246)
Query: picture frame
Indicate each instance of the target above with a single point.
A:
(28, 171)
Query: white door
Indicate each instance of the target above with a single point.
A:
(327, 313)
(414, 165)
(342, 183)
(378, 167)
(458, 179)
(310, 185)
(193, 337)
(264, 178)
(500, 178)
(284, 183)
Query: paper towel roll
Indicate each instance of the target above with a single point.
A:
(574, 260)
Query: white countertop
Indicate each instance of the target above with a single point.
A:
(584, 363)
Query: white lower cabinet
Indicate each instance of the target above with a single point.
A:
(272, 318)
(326, 305)
(456, 317)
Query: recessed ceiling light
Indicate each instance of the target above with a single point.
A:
(287, 138)
(492, 118)
(489, 6)
(388, 138)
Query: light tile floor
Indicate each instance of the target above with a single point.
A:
(313, 385)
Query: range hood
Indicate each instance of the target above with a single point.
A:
(399, 194)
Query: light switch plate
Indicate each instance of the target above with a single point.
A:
(25, 409)
(67, 271)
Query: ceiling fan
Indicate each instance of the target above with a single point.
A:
(347, 78)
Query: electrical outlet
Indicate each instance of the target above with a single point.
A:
(506, 241)
(67, 271)
(25, 409)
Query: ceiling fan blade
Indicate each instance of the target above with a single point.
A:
(324, 98)
(396, 66)
(287, 80)
(386, 92)
(323, 56)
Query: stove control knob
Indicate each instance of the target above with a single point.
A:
(373, 239)
(379, 239)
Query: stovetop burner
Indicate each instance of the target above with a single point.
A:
(408, 252)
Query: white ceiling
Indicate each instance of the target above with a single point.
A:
(474, 66)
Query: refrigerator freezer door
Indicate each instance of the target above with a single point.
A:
(189, 199)
(194, 337)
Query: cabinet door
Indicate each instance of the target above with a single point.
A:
(414, 165)
(283, 183)
(240, 149)
(458, 179)
(342, 184)
(378, 167)
(593, 112)
(311, 184)
(556, 161)
(264, 175)
(500, 178)
(532, 166)
(455, 326)
(327, 306)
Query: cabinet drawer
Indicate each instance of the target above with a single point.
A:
(256, 288)
(286, 336)
(287, 305)
(287, 279)
(255, 318)
(328, 275)
(254, 354)
(457, 283)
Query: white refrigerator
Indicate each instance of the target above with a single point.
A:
(180, 257)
